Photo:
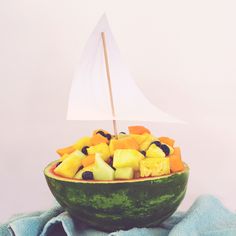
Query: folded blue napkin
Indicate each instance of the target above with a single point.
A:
(206, 217)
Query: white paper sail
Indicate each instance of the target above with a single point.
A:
(89, 95)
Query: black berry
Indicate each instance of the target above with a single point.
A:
(157, 143)
(108, 136)
(110, 163)
(143, 152)
(58, 163)
(87, 175)
(102, 133)
(122, 133)
(165, 149)
(84, 150)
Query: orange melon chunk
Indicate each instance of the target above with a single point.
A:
(126, 143)
(65, 150)
(98, 138)
(88, 160)
(177, 151)
(176, 163)
(167, 141)
(138, 130)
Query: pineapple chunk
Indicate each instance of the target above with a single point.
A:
(101, 148)
(101, 170)
(149, 139)
(154, 167)
(140, 138)
(154, 151)
(70, 165)
(127, 158)
(87, 168)
(124, 173)
(112, 146)
(85, 141)
(64, 157)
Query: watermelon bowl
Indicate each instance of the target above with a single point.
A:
(116, 205)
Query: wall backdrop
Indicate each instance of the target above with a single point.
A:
(182, 55)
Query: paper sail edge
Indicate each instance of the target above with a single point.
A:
(89, 96)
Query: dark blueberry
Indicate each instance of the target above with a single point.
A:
(102, 133)
(80, 168)
(87, 175)
(58, 163)
(110, 163)
(122, 133)
(143, 152)
(165, 149)
(108, 136)
(157, 143)
(84, 150)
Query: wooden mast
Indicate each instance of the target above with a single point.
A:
(109, 83)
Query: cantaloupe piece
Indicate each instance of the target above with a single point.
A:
(177, 151)
(88, 160)
(138, 130)
(124, 143)
(176, 163)
(98, 138)
(101, 170)
(65, 150)
(167, 140)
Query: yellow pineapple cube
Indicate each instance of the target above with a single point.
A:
(64, 157)
(70, 165)
(145, 145)
(127, 158)
(140, 138)
(101, 148)
(112, 146)
(85, 141)
(154, 167)
(155, 151)
(124, 173)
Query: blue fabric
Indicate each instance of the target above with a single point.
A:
(206, 217)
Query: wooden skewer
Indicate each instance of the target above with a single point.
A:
(109, 82)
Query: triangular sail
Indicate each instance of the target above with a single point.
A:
(89, 95)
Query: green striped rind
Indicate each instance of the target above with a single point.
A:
(116, 205)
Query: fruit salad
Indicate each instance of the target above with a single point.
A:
(132, 155)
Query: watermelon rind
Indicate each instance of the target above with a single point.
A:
(119, 204)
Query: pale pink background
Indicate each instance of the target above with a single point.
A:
(182, 54)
